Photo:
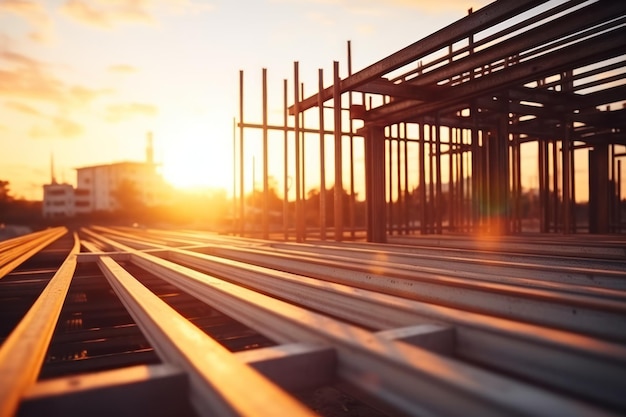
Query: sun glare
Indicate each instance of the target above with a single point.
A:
(195, 164)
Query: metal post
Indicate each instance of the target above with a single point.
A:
(422, 177)
(338, 157)
(352, 208)
(234, 221)
(375, 180)
(389, 176)
(322, 157)
(241, 163)
(285, 163)
(265, 213)
(296, 131)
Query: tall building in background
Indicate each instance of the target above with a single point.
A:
(99, 186)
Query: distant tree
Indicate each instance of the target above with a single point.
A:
(5, 199)
(4, 191)
(130, 206)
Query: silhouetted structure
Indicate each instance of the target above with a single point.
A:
(466, 99)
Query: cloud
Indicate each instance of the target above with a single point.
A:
(22, 108)
(26, 78)
(58, 127)
(122, 69)
(34, 13)
(118, 112)
(107, 13)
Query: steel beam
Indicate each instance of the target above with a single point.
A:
(487, 16)
(23, 352)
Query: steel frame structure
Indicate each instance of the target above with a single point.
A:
(402, 330)
(468, 97)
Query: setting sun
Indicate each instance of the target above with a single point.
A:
(195, 161)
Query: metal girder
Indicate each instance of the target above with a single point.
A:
(295, 366)
(144, 390)
(546, 306)
(541, 35)
(477, 337)
(601, 47)
(23, 352)
(385, 87)
(219, 382)
(487, 16)
(14, 252)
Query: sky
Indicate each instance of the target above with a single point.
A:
(82, 82)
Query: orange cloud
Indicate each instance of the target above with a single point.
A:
(24, 77)
(58, 127)
(107, 13)
(118, 112)
(29, 10)
(122, 68)
(34, 13)
(22, 108)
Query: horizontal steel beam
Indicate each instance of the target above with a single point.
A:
(487, 16)
(408, 379)
(585, 52)
(219, 382)
(143, 390)
(481, 335)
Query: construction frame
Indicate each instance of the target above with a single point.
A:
(468, 101)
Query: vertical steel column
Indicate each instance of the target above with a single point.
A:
(572, 174)
(265, 213)
(599, 189)
(301, 138)
(461, 180)
(285, 162)
(566, 86)
(451, 179)
(241, 155)
(320, 105)
(375, 184)
(542, 151)
(338, 156)
(619, 196)
(422, 176)
(566, 158)
(555, 185)
(518, 182)
(406, 200)
(389, 175)
(475, 161)
(612, 190)
(234, 224)
(438, 196)
(296, 131)
(431, 176)
(352, 208)
(504, 194)
(399, 183)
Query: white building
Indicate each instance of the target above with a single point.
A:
(98, 188)
(58, 200)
